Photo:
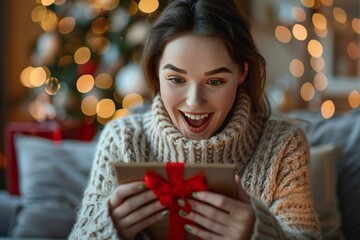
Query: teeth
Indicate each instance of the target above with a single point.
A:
(196, 117)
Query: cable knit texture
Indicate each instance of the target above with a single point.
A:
(271, 156)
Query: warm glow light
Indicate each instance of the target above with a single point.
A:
(321, 33)
(105, 108)
(307, 91)
(133, 8)
(327, 109)
(100, 25)
(298, 14)
(340, 15)
(99, 44)
(104, 81)
(47, 2)
(121, 113)
(354, 99)
(59, 2)
(66, 25)
(308, 3)
(356, 25)
(65, 60)
(85, 83)
(318, 64)
(327, 2)
(315, 48)
(25, 77)
(299, 32)
(297, 68)
(353, 50)
(148, 6)
(38, 76)
(132, 100)
(319, 21)
(49, 22)
(106, 5)
(283, 34)
(88, 105)
(38, 13)
(320, 81)
(82, 55)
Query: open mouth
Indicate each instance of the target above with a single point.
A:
(197, 122)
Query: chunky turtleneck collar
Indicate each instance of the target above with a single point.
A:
(235, 143)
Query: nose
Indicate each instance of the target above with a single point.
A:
(195, 97)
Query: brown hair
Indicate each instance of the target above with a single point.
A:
(223, 20)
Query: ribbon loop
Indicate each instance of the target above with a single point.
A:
(169, 192)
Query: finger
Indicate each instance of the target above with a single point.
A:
(125, 190)
(132, 203)
(240, 192)
(207, 223)
(145, 223)
(202, 233)
(141, 213)
(220, 201)
(210, 212)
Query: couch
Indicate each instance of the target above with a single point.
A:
(53, 174)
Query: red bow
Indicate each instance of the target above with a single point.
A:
(169, 192)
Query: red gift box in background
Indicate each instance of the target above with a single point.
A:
(51, 130)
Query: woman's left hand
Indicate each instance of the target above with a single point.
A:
(221, 217)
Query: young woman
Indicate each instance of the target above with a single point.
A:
(202, 65)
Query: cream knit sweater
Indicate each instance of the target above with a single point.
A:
(271, 156)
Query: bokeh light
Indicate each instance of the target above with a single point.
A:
(307, 91)
(66, 25)
(100, 25)
(298, 14)
(308, 3)
(132, 100)
(85, 83)
(49, 21)
(38, 13)
(353, 50)
(354, 99)
(296, 68)
(320, 81)
(315, 48)
(355, 23)
(340, 15)
(47, 2)
(88, 105)
(25, 77)
(327, 2)
(121, 113)
(299, 32)
(82, 55)
(282, 34)
(38, 77)
(318, 64)
(148, 6)
(319, 21)
(327, 109)
(52, 86)
(105, 108)
(104, 81)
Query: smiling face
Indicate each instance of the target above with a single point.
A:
(198, 84)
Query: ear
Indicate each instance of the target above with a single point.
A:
(244, 73)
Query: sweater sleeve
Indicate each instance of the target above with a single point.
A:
(94, 220)
(289, 212)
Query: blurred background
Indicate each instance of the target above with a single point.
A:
(78, 60)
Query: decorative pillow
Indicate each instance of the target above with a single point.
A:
(323, 160)
(52, 179)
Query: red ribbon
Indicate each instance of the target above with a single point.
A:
(169, 192)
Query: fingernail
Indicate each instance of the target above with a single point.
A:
(165, 213)
(142, 186)
(181, 202)
(182, 213)
(195, 195)
(187, 228)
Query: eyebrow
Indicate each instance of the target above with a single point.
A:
(208, 73)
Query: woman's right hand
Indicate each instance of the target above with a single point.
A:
(134, 208)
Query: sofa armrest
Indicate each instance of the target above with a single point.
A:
(9, 207)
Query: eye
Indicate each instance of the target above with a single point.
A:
(175, 80)
(215, 82)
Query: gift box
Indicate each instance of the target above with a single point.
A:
(170, 181)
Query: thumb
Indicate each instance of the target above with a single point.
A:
(241, 194)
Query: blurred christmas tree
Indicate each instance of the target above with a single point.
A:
(86, 63)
